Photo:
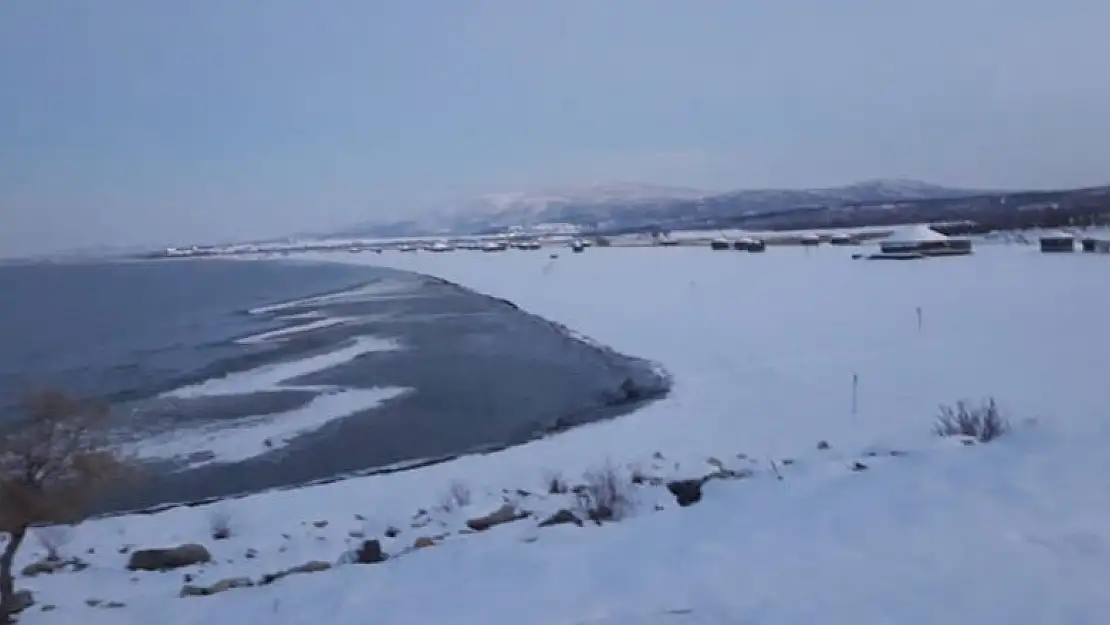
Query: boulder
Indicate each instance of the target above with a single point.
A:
(505, 514)
(423, 542)
(42, 567)
(369, 553)
(314, 566)
(561, 517)
(188, 590)
(49, 566)
(168, 559)
(223, 585)
(686, 492)
(230, 583)
(21, 600)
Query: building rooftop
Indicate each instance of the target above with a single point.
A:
(916, 233)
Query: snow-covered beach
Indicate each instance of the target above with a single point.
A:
(770, 354)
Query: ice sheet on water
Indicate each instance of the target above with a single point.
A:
(249, 437)
(271, 377)
(382, 288)
(284, 333)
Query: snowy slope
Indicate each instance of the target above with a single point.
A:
(763, 349)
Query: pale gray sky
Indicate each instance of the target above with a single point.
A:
(161, 121)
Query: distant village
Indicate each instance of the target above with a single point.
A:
(904, 242)
(902, 228)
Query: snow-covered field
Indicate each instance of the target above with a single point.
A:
(765, 350)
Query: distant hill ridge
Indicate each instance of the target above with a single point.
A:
(632, 207)
(626, 204)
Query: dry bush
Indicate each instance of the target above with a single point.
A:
(983, 422)
(605, 494)
(52, 538)
(219, 524)
(54, 461)
(556, 485)
(458, 496)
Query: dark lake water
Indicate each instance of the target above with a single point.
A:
(128, 329)
(476, 371)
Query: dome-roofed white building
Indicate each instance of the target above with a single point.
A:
(495, 246)
(921, 239)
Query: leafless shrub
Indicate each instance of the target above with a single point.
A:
(458, 496)
(983, 422)
(54, 461)
(219, 524)
(604, 495)
(52, 538)
(556, 485)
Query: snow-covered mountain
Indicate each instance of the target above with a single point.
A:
(584, 206)
(875, 190)
(893, 188)
(609, 205)
(579, 205)
(595, 193)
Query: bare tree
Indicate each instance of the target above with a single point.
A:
(53, 462)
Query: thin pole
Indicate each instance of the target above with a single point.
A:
(855, 391)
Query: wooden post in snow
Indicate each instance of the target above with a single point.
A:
(855, 392)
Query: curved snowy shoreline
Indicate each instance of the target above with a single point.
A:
(665, 379)
(622, 383)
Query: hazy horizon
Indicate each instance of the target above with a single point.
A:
(156, 122)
